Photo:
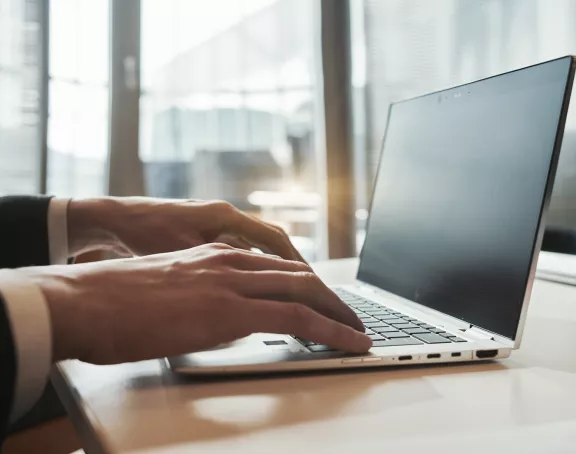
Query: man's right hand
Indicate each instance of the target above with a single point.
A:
(192, 300)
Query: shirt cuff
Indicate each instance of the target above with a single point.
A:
(29, 319)
(58, 231)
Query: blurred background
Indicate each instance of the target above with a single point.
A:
(278, 106)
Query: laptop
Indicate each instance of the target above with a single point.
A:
(455, 227)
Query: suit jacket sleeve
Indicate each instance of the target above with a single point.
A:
(7, 371)
(24, 241)
(24, 231)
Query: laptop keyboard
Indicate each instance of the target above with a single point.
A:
(387, 327)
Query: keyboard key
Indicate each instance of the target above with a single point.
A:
(367, 318)
(411, 319)
(375, 310)
(320, 348)
(396, 335)
(362, 309)
(390, 318)
(432, 338)
(457, 339)
(396, 342)
(376, 324)
(305, 342)
(376, 336)
(437, 330)
(386, 329)
(380, 313)
(427, 326)
(417, 330)
(403, 325)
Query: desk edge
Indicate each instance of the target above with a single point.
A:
(85, 424)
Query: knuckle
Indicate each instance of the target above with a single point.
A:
(281, 232)
(303, 267)
(229, 256)
(224, 206)
(176, 266)
(308, 278)
(221, 247)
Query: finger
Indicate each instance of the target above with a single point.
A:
(262, 316)
(242, 260)
(266, 249)
(303, 287)
(264, 236)
(234, 241)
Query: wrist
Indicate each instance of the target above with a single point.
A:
(66, 300)
(91, 224)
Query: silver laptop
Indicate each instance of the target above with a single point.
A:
(455, 228)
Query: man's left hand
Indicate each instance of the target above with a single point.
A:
(144, 226)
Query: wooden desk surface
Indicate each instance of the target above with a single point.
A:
(525, 404)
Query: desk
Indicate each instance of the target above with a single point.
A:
(525, 404)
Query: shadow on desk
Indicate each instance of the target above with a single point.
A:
(204, 410)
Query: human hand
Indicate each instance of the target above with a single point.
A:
(191, 300)
(143, 226)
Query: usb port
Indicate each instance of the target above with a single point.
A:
(434, 355)
(405, 358)
(456, 354)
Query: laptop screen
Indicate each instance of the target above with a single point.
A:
(460, 189)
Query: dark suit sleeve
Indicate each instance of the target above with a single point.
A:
(24, 231)
(7, 371)
(23, 242)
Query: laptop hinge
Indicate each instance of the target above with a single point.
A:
(479, 332)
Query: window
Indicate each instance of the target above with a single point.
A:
(229, 108)
(78, 99)
(19, 97)
(410, 47)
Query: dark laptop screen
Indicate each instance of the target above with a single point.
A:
(460, 188)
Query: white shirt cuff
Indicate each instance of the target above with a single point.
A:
(29, 319)
(58, 231)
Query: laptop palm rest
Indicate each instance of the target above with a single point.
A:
(257, 349)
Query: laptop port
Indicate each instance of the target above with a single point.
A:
(486, 354)
(434, 355)
(405, 358)
(456, 354)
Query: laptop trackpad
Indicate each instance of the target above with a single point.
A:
(252, 350)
